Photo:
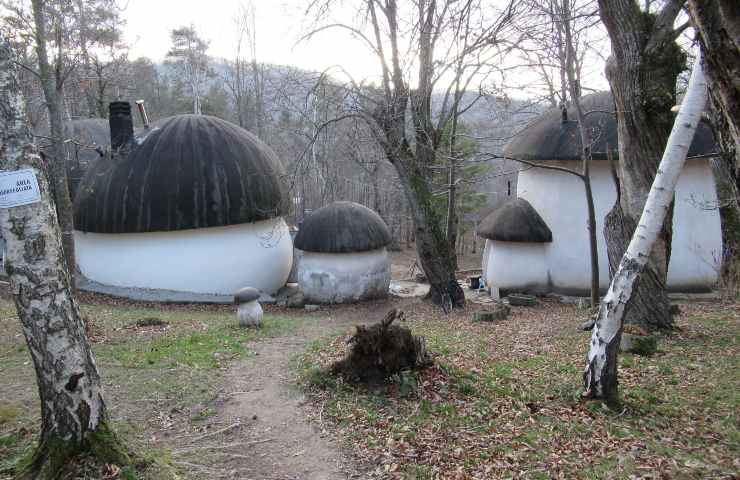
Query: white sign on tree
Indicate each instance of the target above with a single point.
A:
(18, 187)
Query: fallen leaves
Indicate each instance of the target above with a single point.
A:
(502, 401)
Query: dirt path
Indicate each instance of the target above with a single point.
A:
(271, 436)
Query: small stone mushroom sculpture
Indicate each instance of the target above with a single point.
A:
(249, 312)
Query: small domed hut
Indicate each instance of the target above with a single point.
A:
(515, 252)
(344, 254)
(192, 211)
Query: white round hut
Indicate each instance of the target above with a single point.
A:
(515, 253)
(559, 199)
(344, 257)
(192, 212)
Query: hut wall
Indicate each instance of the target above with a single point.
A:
(560, 199)
(517, 266)
(344, 277)
(697, 230)
(217, 260)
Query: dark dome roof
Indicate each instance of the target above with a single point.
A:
(193, 171)
(342, 227)
(549, 138)
(515, 221)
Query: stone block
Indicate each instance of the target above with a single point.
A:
(645, 345)
(521, 300)
(495, 313)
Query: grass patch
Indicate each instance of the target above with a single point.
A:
(8, 413)
(160, 365)
(211, 347)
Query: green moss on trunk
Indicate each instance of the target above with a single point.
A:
(53, 457)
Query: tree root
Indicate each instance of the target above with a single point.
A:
(382, 350)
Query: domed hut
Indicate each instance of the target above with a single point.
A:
(515, 252)
(193, 211)
(559, 199)
(344, 257)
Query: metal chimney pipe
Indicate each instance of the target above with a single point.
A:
(142, 112)
(121, 126)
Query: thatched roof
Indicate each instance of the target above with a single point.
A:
(515, 221)
(550, 138)
(342, 227)
(194, 171)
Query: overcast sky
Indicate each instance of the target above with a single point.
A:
(280, 23)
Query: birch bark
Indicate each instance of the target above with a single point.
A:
(73, 411)
(600, 375)
(52, 83)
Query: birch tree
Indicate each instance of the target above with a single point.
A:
(245, 77)
(188, 55)
(600, 375)
(52, 74)
(68, 38)
(74, 418)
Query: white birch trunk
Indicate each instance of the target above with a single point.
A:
(600, 375)
(70, 391)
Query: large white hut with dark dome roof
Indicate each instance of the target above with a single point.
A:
(192, 211)
(524, 262)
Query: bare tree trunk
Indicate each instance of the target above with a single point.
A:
(452, 221)
(258, 76)
(642, 72)
(73, 411)
(728, 194)
(718, 26)
(52, 85)
(431, 243)
(600, 375)
(574, 87)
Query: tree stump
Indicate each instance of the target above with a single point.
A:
(382, 350)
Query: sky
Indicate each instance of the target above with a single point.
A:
(280, 24)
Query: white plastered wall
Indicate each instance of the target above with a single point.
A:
(217, 260)
(560, 199)
(515, 265)
(344, 277)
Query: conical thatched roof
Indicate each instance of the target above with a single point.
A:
(342, 227)
(515, 221)
(551, 137)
